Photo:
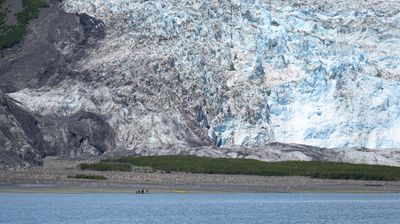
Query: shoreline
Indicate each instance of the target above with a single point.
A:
(285, 185)
(52, 178)
(64, 189)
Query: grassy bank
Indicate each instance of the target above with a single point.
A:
(314, 169)
(106, 166)
(89, 177)
(14, 34)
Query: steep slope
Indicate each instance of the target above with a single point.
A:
(55, 40)
(20, 139)
(26, 138)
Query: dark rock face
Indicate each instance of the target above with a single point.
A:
(82, 134)
(20, 139)
(93, 29)
(26, 138)
(55, 40)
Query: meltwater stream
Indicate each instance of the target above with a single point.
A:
(246, 208)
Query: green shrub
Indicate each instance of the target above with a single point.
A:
(90, 177)
(314, 169)
(103, 166)
(14, 34)
(12, 37)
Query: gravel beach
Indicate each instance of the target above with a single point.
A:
(52, 177)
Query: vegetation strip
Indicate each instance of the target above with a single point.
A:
(106, 166)
(90, 177)
(314, 169)
(14, 34)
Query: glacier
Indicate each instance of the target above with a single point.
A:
(191, 73)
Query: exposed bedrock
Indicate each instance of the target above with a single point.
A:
(20, 139)
(274, 152)
(26, 138)
(44, 57)
(54, 41)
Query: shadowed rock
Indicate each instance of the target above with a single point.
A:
(54, 41)
(26, 138)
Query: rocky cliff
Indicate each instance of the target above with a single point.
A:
(161, 76)
(54, 42)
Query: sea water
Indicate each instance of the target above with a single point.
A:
(206, 208)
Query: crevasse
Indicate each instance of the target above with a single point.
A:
(322, 73)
